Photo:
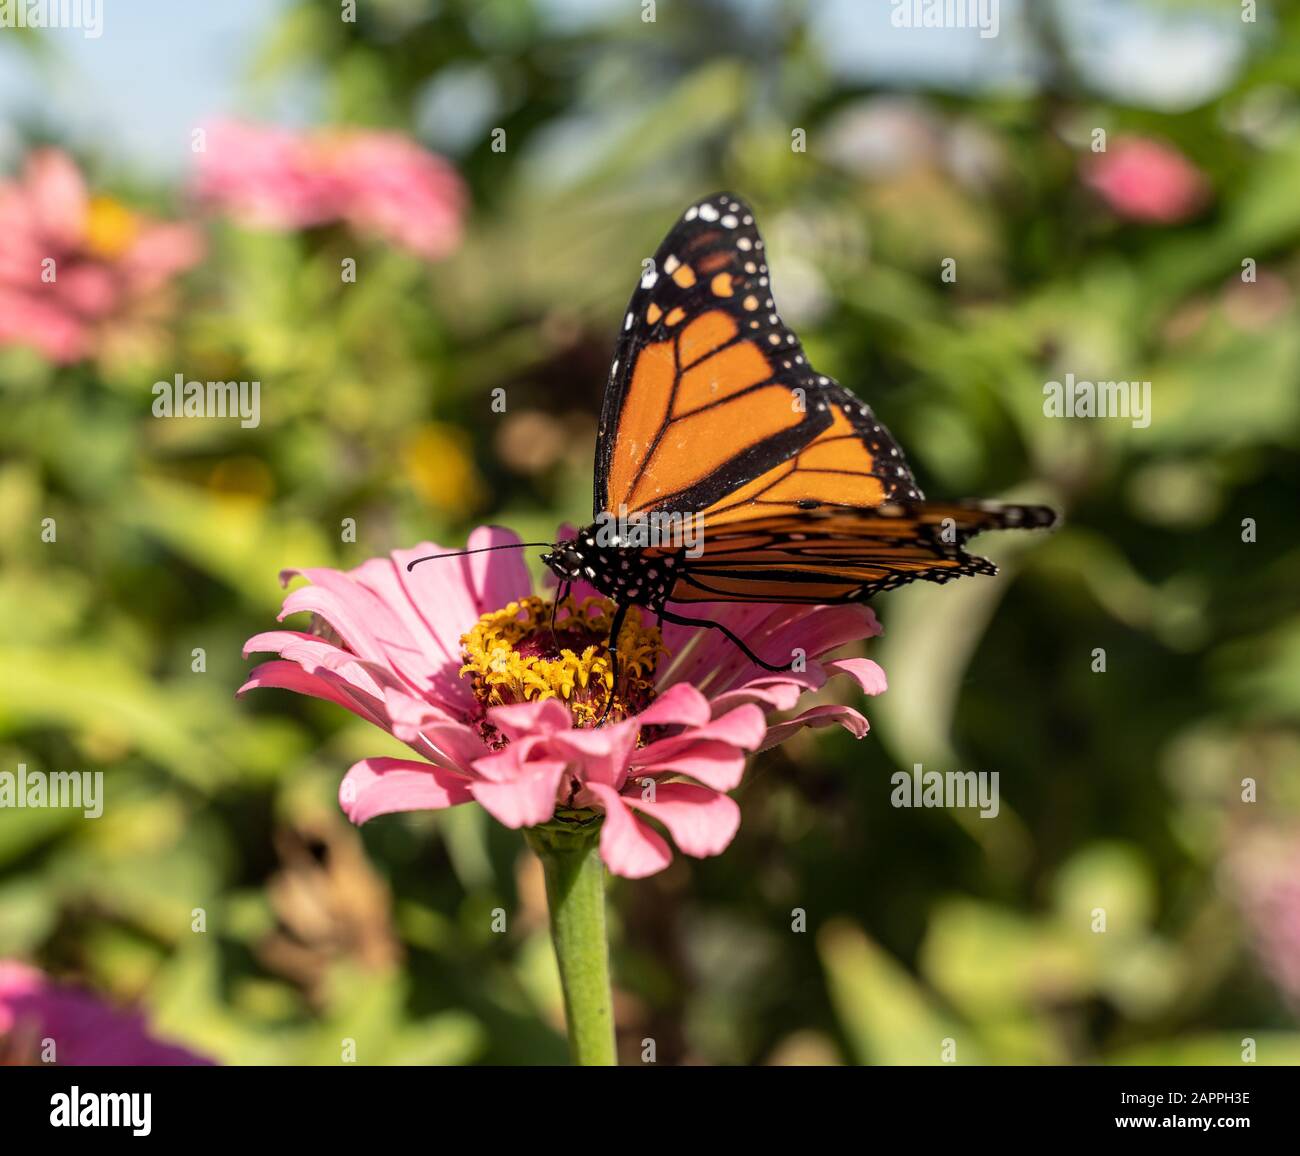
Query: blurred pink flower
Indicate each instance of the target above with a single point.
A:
(380, 183)
(85, 1030)
(403, 642)
(1263, 873)
(75, 267)
(1146, 180)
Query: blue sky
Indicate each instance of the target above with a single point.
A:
(160, 68)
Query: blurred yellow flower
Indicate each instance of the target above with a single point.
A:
(441, 470)
(111, 228)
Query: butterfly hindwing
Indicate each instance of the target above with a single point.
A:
(853, 462)
(837, 554)
(709, 389)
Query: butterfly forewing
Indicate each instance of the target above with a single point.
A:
(709, 389)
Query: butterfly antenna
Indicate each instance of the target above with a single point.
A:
(481, 550)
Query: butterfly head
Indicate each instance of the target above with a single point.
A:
(566, 560)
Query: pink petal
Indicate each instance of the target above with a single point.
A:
(774, 693)
(284, 675)
(409, 714)
(717, 765)
(58, 195)
(782, 691)
(159, 253)
(364, 621)
(819, 716)
(1147, 180)
(525, 799)
(601, 754)
(266, 176)
(315, 654)
(444, 596)
(704, 657)
(92, 290)
(498, 578)
(383, 786)
(52, 327)
(629, 847)
(522, 719)
(742, 728)
(431, 601)
(506, 764)
(448, 742)
(711, 661)
(679, 705)
(398, 190)
(827, 628)
(701, 822)
(868, 675)
(90, 1031)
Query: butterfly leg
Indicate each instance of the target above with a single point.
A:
(615, 629)
(560, 595)
(668, 616)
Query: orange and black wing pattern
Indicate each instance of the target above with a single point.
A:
(832, 554)
(713, 410)
(852, 462)
(709, 389)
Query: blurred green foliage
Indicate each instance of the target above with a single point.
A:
(1120, 790)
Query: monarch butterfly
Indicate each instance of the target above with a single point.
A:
(713, 414)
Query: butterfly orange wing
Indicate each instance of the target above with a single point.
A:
(841, 553)
(709, 389)
(712, 409)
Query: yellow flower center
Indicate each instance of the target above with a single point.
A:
(111, 228)
(513, 655)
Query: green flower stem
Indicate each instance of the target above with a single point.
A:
(575, 894)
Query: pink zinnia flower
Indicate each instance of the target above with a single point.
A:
(379, 183)
(85, 1030)
(73, 267)
(457, 660)
(1148, 181)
